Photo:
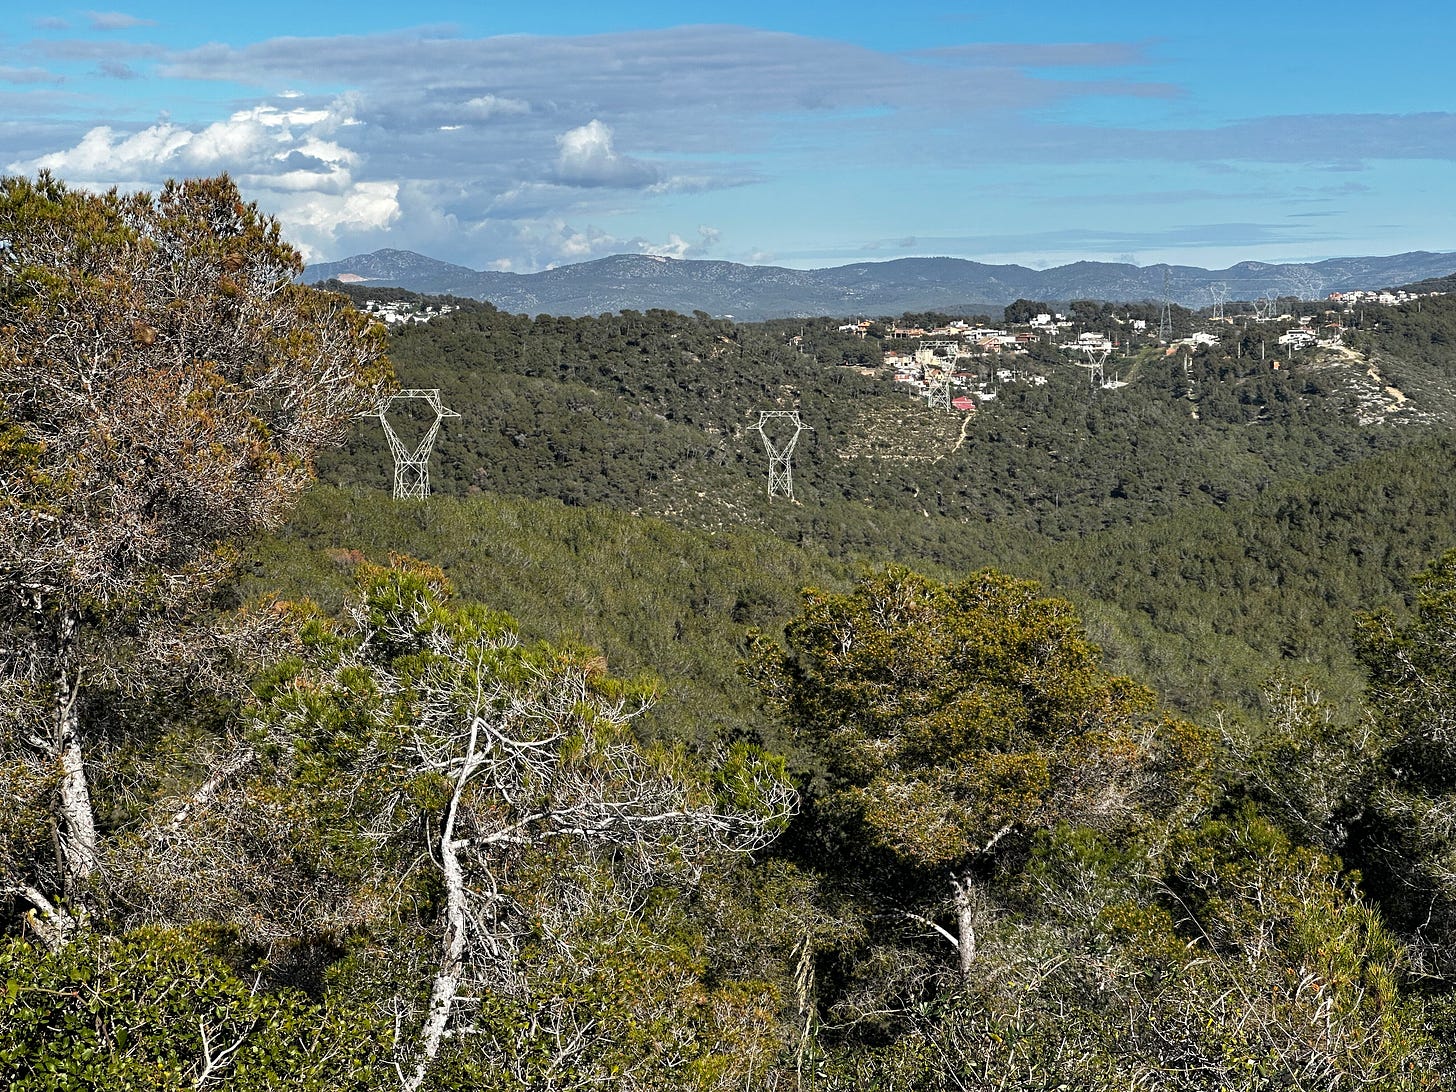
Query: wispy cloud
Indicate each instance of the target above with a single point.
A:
(1070, 244)
(485, 107)
(117, 70)
(1333, 141)
(115, 20)
(1045, 54)
(91, 49)
(28, 75)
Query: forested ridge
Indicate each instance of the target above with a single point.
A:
(1097, 740)
(1310, 490)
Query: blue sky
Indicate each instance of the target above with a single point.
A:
(808, 134)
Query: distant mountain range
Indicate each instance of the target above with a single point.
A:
(950, 285)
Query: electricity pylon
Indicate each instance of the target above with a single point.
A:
(1165, 316)
(780, 453)
(412, 465)
(1219, 292)
(937, 388)
(938, 372)
(1097, 362)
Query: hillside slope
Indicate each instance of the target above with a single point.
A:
(1216, 518)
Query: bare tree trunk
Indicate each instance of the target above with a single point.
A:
(446, 986)
(241, 758)
(76, 826)
(963, 898)
(48, 921)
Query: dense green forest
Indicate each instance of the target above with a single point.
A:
(1312, 489)
(1097, 739)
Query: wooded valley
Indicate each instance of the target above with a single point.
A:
(1098, 739)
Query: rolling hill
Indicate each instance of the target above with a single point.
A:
(953, 285)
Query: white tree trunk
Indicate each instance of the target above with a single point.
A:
(965, 911)
(243, 757)
(48, 921)
(76, 826)
(446, 986)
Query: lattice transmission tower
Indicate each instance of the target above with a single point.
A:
(1165, 316)
(412, 465)
(780, 448)
(1097, 363)
(1219, 292)
(938, 372)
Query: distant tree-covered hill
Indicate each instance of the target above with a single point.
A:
(752, 293)
(655, 412)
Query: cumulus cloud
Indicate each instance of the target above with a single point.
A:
(286, 158)
(587, 158)
(675, 247)
(576, 245)
(317, 218)
(105, 154)
(246, 139)
(678, 247)
(541, 243)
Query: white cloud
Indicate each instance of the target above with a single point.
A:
(103, 154)
(239, 138)
(488, 106)
(574, 245)
(587, 158)
(9, 74)
(288, 160)
(678, 247)
(116, 20)
(367, 206)
(246, 139)
(675, 247)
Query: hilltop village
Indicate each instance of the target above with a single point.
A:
(971, 359)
